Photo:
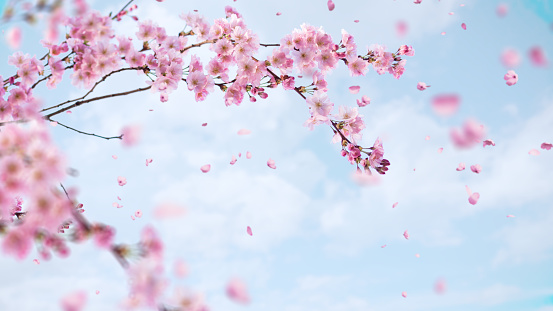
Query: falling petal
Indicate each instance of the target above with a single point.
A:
(330, 5)
(114, 156)
(440, 286)
(406, 235)
(148, 161)
(204, 124)
(476, 168)
(354, 89)
(395, 204)
(510, 58)
(469, 192)
(271, 164)
(443, 33)
(537, 56)
(233, 160)
(440, 150)
(473, 199)
(534, 152)
(404, 294)
(169, 211)
(383, 246)
(181, 270)
(237, 291)
(488, 142)
(244, 132)
(36, 261)
(121, 181)
(427, 138)
(249, 230)
(401, 28)
(97, 292)
(356, 21)
(510, 216)
(13, 38)
(418, 255)
(138, 213)
(248, 155)
(278, 13)
(464, 26)
(461, 167)
(502, 9)
(205, 168)
(546, 146)
(446, 104)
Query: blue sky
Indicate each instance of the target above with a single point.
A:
(317, 235)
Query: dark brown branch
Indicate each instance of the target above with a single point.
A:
(90, 134)
(269, 44)
(198, 45)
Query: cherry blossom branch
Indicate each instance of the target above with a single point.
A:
(85, 133)
(93, 87)
(126, 5)
(77, 104)
(197, 45)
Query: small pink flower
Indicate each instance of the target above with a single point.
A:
(115, 204)
(404, 294)
(511, 77)
(488, 142)
(421, 86)
(476, 168)
(354, 89)
(365, 100)
(121, 180)
(534, 152)
(249, 230)
(138, 213)
(395, 204)
(330, 5)
(244, 132)
(464, 26)
(271, 164)
(406, 235)
(205, 168)
(237, 291)
(461, 167)
(546, 146)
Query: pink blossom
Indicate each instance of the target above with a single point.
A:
(546, 146)
(114, 157)
(464, 26)
(244, 132)
(510, 58)
(421, 86)
(237, 291)
(103, 235)
(534, 152)
(365, 100)
(74, 301)
(511, 77)
(205, 168)
(271, 164)
(249, 230)
(488, 142)
(18, 242)
(406, 235)
(445, 104)
(476, 168)
(138, 213)
(354, 89)
(537, 56)
(461, 167)
(319, 104)
(121, 180)
(330, 5)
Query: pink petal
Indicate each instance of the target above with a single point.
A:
(443, 33)
(464, 26)
(74, 301)
(406, 235)
(132, 217)
(395, 204)
(278, 13)
(473, 199)
(427, 138)
(138, 213)
(121, 181)
(365, 100)
(36, 261)
(205, 168)
(354, 89)
(534, 152)
(114, 156)
(546, 146)
(330, 5)
(510, 58)
(148, 161)
(446, 104)
(488, 142)
(13, 38)
(97, 292)
(404, 294)
(236, 290)
(537, 56)
(181, 270)
(476, 168)
(204, 124)
(440, 150)
(131, 135)
(249, 230)
(356, 21)
(421, 86)
(233, 160)
(461, 167)
(169, 211)
(401, 28)
(502, 9)
(469, 192)
(244, 132)
(248, 155)
(417, 255)
(383, 246)
(271, 164)
(510, 216)
(440, 286)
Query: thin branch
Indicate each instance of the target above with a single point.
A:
(198, 44)
(90, 134)
(269, 44)
(126, 5)
(77, 104)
